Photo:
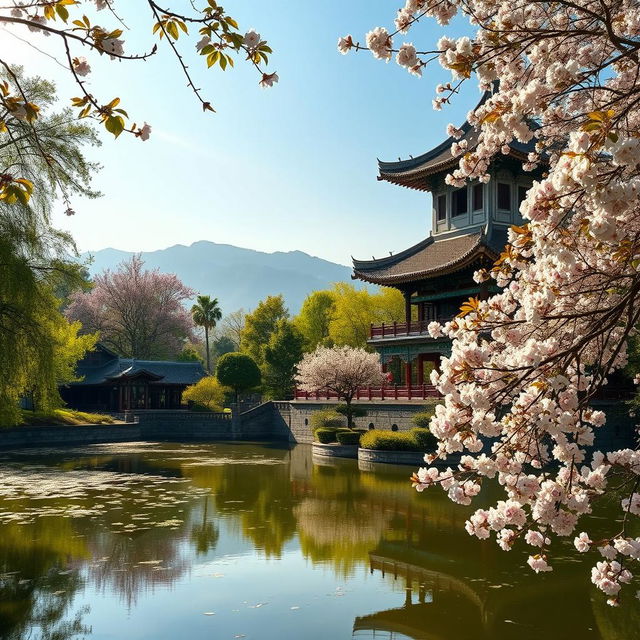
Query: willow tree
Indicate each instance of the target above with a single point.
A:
(206, 313)
(37, 345)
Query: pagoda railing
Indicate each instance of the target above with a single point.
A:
(395, 329)
(387, 392)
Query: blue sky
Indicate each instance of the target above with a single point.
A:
(292, 167)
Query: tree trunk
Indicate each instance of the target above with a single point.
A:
(206, 340)
(347, 402)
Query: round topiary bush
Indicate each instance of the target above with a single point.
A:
(348, 437)
(325, 436)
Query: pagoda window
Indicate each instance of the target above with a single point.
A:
(504, 196)
(459, 202)
(478, 197)
(441, 208)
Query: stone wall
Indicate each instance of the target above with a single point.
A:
(291, 420)
(185, 425)
(19, 437)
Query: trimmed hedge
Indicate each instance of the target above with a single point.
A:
(348, 437)
(325, 436)
(389, 441)
(423, 418)
(418, 439)
(425, 439)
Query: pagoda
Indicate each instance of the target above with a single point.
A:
(468, 232)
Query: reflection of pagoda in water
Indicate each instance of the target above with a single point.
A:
(484, 611)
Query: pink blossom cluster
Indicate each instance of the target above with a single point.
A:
(525, 363)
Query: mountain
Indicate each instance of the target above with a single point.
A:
(238, 277)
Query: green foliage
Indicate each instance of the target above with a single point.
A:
(425, 439)
(356, 309)
(260, 325)
(423, 419)
(189, 354)
(348, 437)
(325, 436)
(326, 419)
(238, 371)
(389, 441)
(221, 345)
(314, 319)
(281, 355)
(63, 417)
(207, 393)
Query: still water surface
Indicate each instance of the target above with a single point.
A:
(166, 541)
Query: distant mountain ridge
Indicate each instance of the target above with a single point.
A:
(238, 277)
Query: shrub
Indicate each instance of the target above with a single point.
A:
(326, 419)
(348, 437)
(425, 439)
(325, 436)
(423, 418)
(206, 395)
(389, 441)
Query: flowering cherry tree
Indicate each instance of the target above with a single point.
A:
(139, 313)
(85, 29)
(342, 370)
(526, 362)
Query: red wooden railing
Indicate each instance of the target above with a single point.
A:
(391, 392)
(414, 327)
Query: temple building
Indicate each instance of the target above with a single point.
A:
(111, 383)
(469, 231)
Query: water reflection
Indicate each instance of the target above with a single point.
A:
(93, 537)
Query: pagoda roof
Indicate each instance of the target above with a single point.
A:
(434, 256)
(412, 173)
(121, 369)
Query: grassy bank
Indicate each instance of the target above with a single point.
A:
(63, 417)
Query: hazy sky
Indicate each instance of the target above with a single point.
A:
(292, 167)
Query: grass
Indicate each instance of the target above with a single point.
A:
(63, 417)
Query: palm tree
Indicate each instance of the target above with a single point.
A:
(206, 313)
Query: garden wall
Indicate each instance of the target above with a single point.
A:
(38, 436)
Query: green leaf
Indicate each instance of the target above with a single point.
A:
(115, 125)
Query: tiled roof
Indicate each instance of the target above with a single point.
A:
(431, 257)
(160, 371)
(413, 172)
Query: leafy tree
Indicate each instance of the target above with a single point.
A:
(314, 318)
(139, 313)
(207, 392)
(281, 355)
(189, 353)
(238, 371)
(356, 309)
(221, 345)
(206, 313)
(260, 325)
(233, 325)
(342, 370)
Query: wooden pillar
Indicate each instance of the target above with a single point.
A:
(407, 373)
(407, 307)
(421, 369)
(146, 396)
(120, 399)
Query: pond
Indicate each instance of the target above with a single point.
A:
(162, 541)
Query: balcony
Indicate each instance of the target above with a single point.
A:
(391, 392)
(403, 329)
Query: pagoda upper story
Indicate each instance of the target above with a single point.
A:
(468, 232)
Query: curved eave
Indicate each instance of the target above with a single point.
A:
(476, 252)
(416, 178)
